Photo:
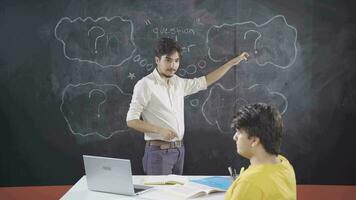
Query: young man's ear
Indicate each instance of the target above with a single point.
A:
(156, 59)
(255, 141)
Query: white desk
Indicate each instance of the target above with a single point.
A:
(80, 191)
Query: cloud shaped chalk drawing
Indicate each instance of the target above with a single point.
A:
(107, 42)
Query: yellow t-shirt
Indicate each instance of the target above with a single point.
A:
(268, 181)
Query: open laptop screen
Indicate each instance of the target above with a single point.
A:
(110, 175)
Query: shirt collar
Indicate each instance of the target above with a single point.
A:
(159, 79)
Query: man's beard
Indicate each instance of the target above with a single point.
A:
(165, 75)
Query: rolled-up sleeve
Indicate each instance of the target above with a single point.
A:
(194, 85)
(139, 101)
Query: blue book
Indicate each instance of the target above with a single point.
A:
(219, 182)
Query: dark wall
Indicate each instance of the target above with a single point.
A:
(67, 70)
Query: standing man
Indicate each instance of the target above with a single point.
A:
(258, 138)
(159, 99)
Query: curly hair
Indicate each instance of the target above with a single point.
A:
(167, 46)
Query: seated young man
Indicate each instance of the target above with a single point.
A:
(258, 138)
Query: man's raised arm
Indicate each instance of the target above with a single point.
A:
(215, 75)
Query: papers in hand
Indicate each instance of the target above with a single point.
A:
(165, 180)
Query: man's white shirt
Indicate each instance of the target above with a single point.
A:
(162, 104)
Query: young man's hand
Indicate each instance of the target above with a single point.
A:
(238, 59)
(167, 134)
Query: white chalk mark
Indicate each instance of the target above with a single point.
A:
(96, 39)
(95, 20)
(173, 31)
(240, 99)
(131, 76)
(111, 37)
(97, 90)
(149, 67)
(257, 25)
(194, 102)
(182, 72)
(216, 122)
(197, 21)
(187, 49)
(285, 101)
(259, 35)
(219, 128)
(143, 62)
(209, 95)
(273, 92)
(137, 58)
(190, 69)
(147, 22)
(94, 132)
(202, 64)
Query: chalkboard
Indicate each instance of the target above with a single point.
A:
(68, 69)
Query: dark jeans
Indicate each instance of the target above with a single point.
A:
(158, 161)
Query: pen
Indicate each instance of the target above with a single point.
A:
(242, 170)
(230, 171)
(233, 176)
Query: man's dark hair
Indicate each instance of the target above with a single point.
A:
(262, 121)
(167, 46)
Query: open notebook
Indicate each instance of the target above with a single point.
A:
(185, 189)
(191, 190)
(171, 179)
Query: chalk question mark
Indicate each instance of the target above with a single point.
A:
(259, 35)
(100, 36)
(103, 101)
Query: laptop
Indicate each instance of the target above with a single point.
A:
(111, 175)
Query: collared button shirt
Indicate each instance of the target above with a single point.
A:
(161, 103)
